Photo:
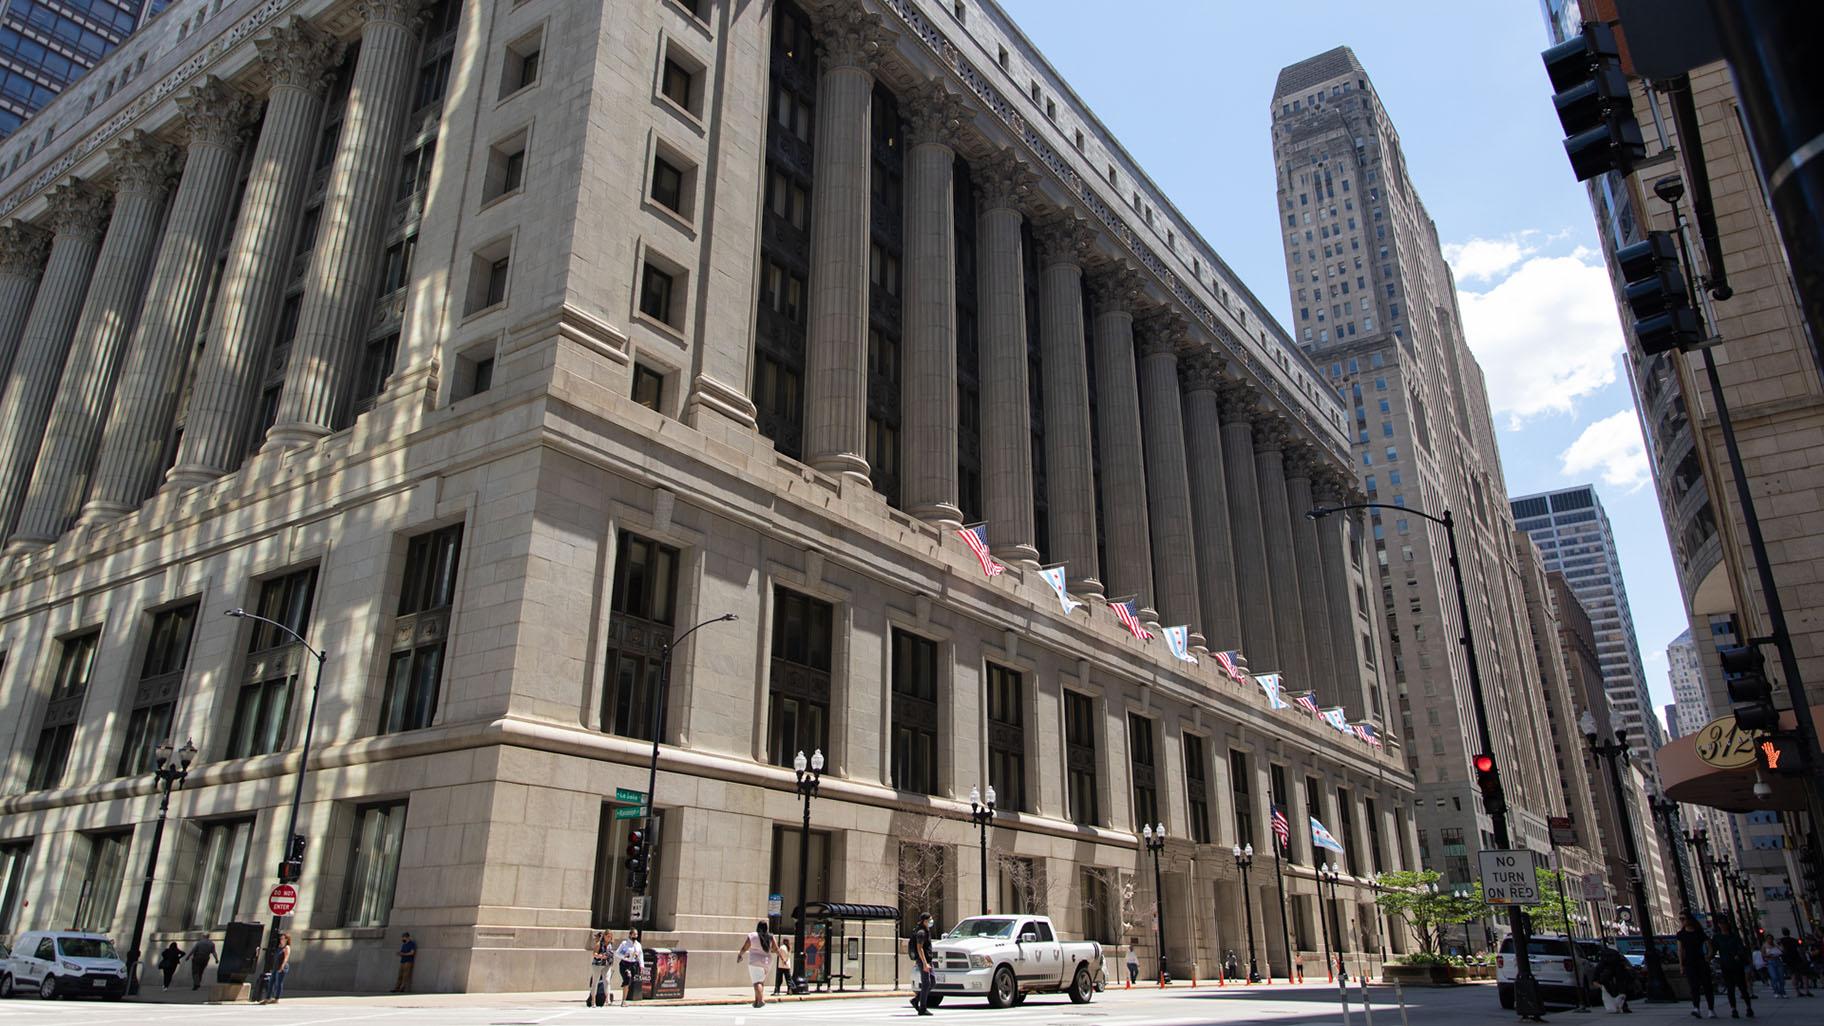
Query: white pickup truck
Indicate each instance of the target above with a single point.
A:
(1005, 958)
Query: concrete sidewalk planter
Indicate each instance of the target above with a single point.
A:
(1434, 974)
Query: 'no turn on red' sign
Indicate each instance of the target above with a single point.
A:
(282, 900)
(1508, 877)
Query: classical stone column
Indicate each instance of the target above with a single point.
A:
(927, 416)
(1000, 302)
(1070, 472)
(1254, 588)
(1168, 484)
(1270, 436)
(836, 337)
(1126, 536)
(142, 177)
(22, 250)
(133, 446)
(339, 287)
(1300, 463)
(1209, 508)
(78, 214)
(297, 59)
(1330, 488)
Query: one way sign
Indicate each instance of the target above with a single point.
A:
(1510, 878)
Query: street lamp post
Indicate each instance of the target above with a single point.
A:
(808, 773)
(1664, 810)
(1615, 753)
(1469, 944)
(1154, 838)
(291, 862)
(1380, 924)
(1327, 873)
(981, 813)
(1526, 988)
(1699, 840)
(1244, 857)
(168, 775)
(637, 883)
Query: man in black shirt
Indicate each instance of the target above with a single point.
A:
(1694, 959)
(919, 948)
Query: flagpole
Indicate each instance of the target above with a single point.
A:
(1279, 877)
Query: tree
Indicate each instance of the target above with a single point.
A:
(1410, 896)
(1548, 915)
(1107, 898)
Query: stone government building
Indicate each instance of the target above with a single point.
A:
(490, 345)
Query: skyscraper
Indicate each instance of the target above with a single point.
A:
(46, 46)
(1573, 534)
(1375, 308)
(1690, 708)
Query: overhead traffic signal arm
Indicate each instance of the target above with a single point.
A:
(1591, 95)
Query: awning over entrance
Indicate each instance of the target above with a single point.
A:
(1687, 778)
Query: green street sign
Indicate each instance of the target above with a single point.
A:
(625, 794)
(630, 812)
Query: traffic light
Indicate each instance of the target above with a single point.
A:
(636, 858)
(292, 867)
(1494, 800)
(1745, 671)
(1655, 290)
(1591, 94)
(1780, 753)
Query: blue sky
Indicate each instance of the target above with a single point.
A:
(1185, 86)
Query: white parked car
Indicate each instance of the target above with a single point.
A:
(64, 963)
(1005, 958)
(1559, 972)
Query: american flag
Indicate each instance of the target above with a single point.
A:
(1369, 732)
(1308, 703)
(1230, 662)
(976, 537)
(1125, 612)
(1281, 829)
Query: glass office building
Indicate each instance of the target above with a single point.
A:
(45, 46)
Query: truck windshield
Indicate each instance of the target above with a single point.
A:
(982, 928)
(87, 947)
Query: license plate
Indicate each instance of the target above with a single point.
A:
(100, 983)
(943, 977)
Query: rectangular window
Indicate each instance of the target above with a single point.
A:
(99, 897)
(922, 868)
(1276, 775)
(1146, 784)
(915, 718)
(373, 864)
(68, 688)
(1006, 738)
(800, 676)
(1345, 816)
(655, 294)
(15, 865)
(1080, 758)
(1099, 912)
(161, 677)
(420, 630)
(376, 366)
(639, 629)
(667, 184)
(221, 870)
(676, 83)
(1197, 789)
(1241, 789)
(783, 880)
(1374, 836)
(263, 707)
(415, 170)
(610, 905)
(648, 387)
(1022, 886)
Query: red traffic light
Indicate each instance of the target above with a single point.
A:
(1485, 763)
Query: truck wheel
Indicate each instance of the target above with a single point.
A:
(1507, 997)
(1003, 992)
(1080, 989)
(934, 1000)
(47, 988)
(6, 985)
(1019, 998)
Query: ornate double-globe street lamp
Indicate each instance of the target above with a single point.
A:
(1154, 838)
(1328, 873)
(981, 813)
(809, 773)
(1244, 857)
(168, 773)
(1615, 753)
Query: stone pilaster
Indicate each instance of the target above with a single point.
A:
(297, 59)
(1070, 474)
(1216, 589)
(78, 215)
(1168, 485)
(1270, 435)
(927, 417)
(1127, 537)
(142, 177)
(1000, 302)
(1330, 488)
(1300, 463)
(836, 340)
(22, 252)
(145, 404)
(339, 287)
(1253, 584)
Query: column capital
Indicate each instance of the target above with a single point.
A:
(22, 249)
(1001, 181)
(1270, 434)
(297, 56)
(1161, 330)
(1239, 401)
(398, 12)
(141, 164)
(935, 115)
(1114, 287)
(216, 113)
(1200, 371)
(850, 37)
(1063, 239)
(77, 209)
(1302, 461)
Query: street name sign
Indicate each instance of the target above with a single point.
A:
(630, 812)
(282, 900)
(1595, 887)
(628, 794)
(1508, 877)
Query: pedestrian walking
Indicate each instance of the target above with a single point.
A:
(1694, 958)
(1732, 955)
(782, 964)
(923, 960)
(1133, 962)
(281, 966)
(1776, 966)
(408, 960)
(757, 949)
(168, 961)
(628, 957)
(601, 952)
(1792, 953)
(200, 955)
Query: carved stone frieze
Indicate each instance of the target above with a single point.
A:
(216, 113)
(22, 249)
(77, 209)
(297, 56)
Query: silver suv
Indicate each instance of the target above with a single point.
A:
(61, 963)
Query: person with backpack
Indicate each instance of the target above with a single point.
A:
(1733, 957)
(168, 961)
(923, 959)
(758, 951)
(601, 953)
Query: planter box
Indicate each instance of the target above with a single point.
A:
(1435, 975)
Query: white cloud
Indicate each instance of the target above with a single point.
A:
(1546, 335)
(1612, 447)
(1486, 259)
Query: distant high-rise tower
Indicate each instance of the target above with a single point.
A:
(1690, 699)
(1374, 306)
(45, 46)
(1573, 533)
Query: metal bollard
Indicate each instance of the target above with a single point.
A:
(1399, 994)
(1367, 1009)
